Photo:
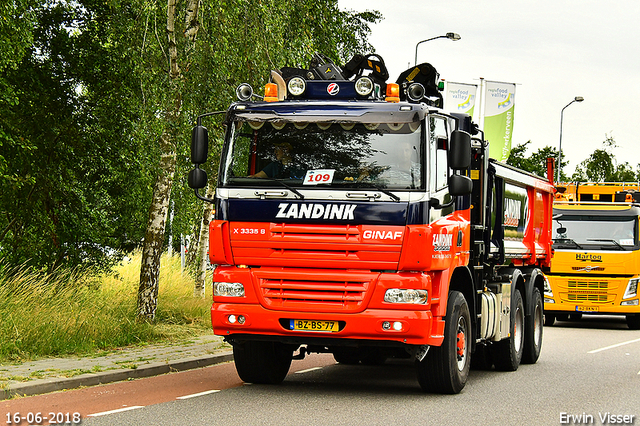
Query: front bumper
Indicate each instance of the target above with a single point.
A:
(418, 327)
(589, 294)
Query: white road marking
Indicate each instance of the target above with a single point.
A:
(308, 369)
(613, 346)
(198, 394)
(119, 410)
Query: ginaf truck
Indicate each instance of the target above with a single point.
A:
(356, 217)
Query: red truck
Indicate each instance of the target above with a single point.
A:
(356, 217)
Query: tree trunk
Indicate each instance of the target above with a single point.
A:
(203, 245)
(154, 236)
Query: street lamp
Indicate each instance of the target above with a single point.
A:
(576, 99)
(450, 36)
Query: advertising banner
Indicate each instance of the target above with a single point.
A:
(460, 97)
(498, 118)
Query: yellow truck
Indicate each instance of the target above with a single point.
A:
(596, 264)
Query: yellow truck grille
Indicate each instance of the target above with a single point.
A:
(588, 291)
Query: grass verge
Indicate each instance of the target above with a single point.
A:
(70, 313)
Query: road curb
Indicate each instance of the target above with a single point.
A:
(41, 386)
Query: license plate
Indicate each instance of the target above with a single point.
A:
(586, 309)
(311, 325)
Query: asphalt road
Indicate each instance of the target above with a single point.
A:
(587, 369)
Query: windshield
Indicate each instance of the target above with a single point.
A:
(607, 233)
(325, 154)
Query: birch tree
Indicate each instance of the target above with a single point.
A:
(154, 236)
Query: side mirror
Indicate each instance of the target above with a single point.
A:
(460, 185)
(197, 179)
(199, 145)
(459, 154)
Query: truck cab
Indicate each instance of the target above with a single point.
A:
(596, 266)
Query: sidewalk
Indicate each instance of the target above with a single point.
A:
(53, 374)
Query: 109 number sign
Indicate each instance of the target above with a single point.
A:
(315, 177)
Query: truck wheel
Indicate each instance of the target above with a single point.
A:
(549, 319)
(633, 321)
(507, 353)
(445, 369)
(262, 362)
(533, 330)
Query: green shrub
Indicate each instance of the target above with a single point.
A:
(77, 313)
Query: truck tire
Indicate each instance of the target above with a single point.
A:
(445, 369)
(533, 330)
(262, 362)
(633, 321)
(549, 319)
(507, 353)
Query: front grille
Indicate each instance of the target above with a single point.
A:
(317, 246)
(588, 285)
(587, 291)
(296, 294)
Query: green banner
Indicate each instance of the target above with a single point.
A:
(498, 118)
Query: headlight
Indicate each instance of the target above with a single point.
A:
(364, 86)
(400, 295)
(632, 289)
(297, 86)
(228, 289)
(547, 288)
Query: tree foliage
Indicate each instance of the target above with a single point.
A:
(535, 163)
(77, 172)
(85, 87)
(600, 166)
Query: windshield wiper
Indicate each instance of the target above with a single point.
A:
(606, 240)
(391, 195)
(289, 187)
(566, 241)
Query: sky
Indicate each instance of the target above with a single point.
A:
(554, 50)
